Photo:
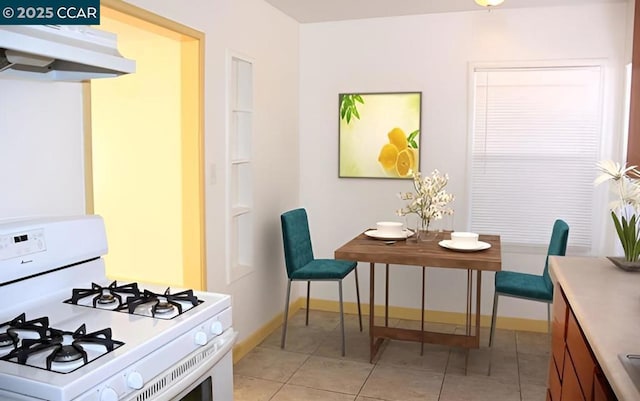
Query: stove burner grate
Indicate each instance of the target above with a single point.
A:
(62, 346)
(11, 338)
(162, 304)
(128, 298)
(104, 296)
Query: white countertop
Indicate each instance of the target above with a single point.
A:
(606, 303)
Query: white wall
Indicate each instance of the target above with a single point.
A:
(629, 32)
(41, 147)
(430, 53)
(262, 33)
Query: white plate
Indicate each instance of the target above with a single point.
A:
(478, 246)
(376, 235)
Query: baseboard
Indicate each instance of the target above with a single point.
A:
(509, 323)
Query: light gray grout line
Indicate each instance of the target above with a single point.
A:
(260, 378)
(444, 374)
(375, 365)
(319, 356)
(301, 365)
(279, 390)
(292, 374)
(325, 390)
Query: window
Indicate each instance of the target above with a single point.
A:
(240, 189)
(536, 141)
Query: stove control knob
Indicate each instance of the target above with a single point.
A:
(134, 380)
(108, 394)
(201, 338)
(216, 328)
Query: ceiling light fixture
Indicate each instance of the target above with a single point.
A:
(489, 3)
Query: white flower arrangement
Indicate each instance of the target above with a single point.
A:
(625, 211)
(430, 199)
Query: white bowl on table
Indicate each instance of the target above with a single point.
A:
(464, 242)
(389, 228)
(463, 239)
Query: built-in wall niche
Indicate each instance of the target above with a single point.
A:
(239, 172)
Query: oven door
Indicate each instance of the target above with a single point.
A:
(202, 392)
(211, 380)
(216, 384)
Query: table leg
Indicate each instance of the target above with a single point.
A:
(467, 325)
(477, 313)
(478, 290)
(371, 310)
(467, 322)
(422, 312)
(386, 297)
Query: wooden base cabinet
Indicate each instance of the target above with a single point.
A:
(555, 386)
(574, 373)
(601, 389)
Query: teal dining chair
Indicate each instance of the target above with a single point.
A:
(302, 266)
(530, 286)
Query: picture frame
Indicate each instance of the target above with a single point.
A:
(379, 134)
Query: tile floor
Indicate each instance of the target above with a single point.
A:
(311, 368)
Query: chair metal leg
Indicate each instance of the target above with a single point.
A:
(306, 320)
(358, 297)
(341, 316)
(286, 313)
(493, 318)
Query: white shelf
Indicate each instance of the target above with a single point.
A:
(239, 150)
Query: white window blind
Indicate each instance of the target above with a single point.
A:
(536, 138)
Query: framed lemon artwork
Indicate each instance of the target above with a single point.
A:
(379, 134)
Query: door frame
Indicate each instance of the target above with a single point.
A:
(192, 110)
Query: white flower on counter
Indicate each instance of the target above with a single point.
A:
(625, 210)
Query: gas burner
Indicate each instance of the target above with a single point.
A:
(109, 297)
(19, 327)
(165, 305)
(106, 299)
(63, 351)
(68, 353)
(8, 340)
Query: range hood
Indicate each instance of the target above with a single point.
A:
(60, 53)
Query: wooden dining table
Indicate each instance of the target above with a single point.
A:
(424, 254)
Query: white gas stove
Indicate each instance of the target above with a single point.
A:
(68, 333)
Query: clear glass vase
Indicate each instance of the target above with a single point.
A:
(426, 232)
(423, 230)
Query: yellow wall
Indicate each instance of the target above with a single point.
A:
(137, 163)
